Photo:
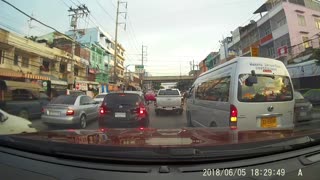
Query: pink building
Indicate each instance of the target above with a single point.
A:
(288, 27)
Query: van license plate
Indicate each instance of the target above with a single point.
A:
(269, 122)
(120, 115)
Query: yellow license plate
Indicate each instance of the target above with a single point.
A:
(269, 122)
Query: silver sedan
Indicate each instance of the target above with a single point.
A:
(71, 110)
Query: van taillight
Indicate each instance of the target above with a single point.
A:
(70, 112)
(233, 117)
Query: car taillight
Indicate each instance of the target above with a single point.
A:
(142, 110)
(233, 117)
(42, 110)
(103, 110)
(70, 112)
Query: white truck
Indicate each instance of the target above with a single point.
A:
(168, 100)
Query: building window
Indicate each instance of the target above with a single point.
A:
(45, 65)
(62, 68)
(301, 20)
(2, 52)
(306, 42)
(76, 71)
(267, 31)
(25, 62)
(317, 20)
(271, 52)
(16, 60)
(282, 22)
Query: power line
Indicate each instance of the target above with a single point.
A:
(104, 10)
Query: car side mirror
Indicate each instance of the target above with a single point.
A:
(3, 117)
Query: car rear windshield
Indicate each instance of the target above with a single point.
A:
(169, 92)
(297, 95)
(269, 88)
(101, 96)
(70, 100)
(121, 99)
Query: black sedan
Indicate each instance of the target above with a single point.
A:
(123, 110)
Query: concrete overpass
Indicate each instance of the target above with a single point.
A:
(167, 78)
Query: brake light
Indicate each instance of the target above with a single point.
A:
(233, 117)
(70, 112)
(142, 110)
(42, 110)
(103, 110)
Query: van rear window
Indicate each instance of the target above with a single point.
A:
(269, 88)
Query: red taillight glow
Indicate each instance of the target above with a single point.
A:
(103, 110)
(233, 123)
(42, 110)
(70, 112)
(142, 110)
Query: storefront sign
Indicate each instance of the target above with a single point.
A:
(82, 86)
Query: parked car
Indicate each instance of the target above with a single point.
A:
(302, 107)
(71, 110)
(150, 96)
(10, 124)
(169, 100)
(99, 98)
(125, 109)
(22, 99)
(313, 95)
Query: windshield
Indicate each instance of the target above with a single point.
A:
(164, 74)
(70, 100)
(169, 92)
(267, 89)
(121, 99)
(100, 96)
(297, 95)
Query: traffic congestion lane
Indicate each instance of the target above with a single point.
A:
(174, 120)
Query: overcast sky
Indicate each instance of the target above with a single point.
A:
(174, 31)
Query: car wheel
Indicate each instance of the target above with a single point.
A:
(24, 114)
(83, 122)
(157, 113)
(189, 122)
(180, 112)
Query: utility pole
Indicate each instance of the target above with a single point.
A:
(115, 78)
(75, 13)
(144, 55)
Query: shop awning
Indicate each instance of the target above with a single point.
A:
(21, 85)
(37, 77)
(10, 73)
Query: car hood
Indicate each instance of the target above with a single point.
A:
(150, 137)
(15, 125)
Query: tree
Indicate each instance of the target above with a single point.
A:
(33, 38)
(183, 85)
(156, 85)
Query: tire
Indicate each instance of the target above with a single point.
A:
(157, 113)
(189, 122)
(83, 122)
(180, 112)
(24, 114)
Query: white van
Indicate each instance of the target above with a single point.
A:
(246, 93)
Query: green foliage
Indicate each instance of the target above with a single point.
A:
(316, 55)
(183, 85)
(156, 85)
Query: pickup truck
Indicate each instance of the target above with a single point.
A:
(168, 100)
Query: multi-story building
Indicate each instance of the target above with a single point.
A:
(249, 38)
(25, 60)
(288, 28)
(202, 66)
(212, 60)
